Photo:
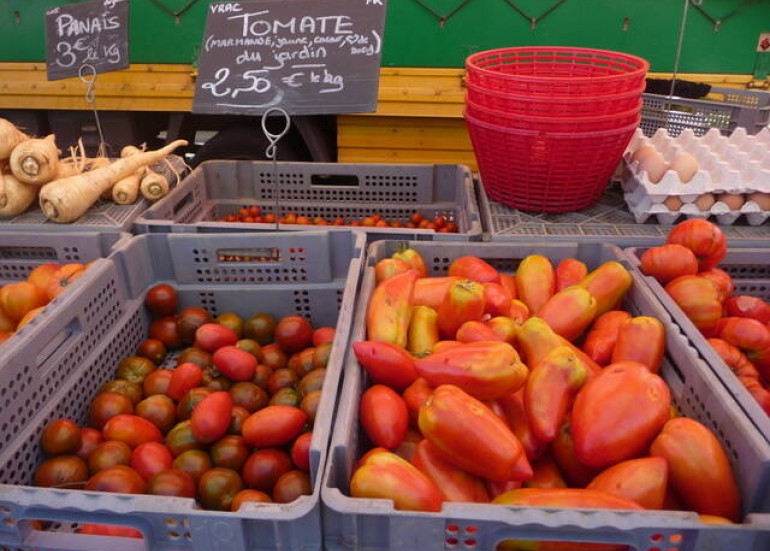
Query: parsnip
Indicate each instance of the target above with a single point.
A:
(67, 199)
(35, 161)
(10, 137)
(126, 190)
(15, 196)
(153, 186)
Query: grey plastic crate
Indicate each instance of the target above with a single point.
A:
(353, 191)
(730, 109)
(102, 217)
(22, 252)
(607, 221)
(314, 274)
(750, 269)
(373, 524)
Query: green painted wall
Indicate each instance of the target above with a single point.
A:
(414, 37)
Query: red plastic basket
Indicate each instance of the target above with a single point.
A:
(556, 71)
(546, 171)
(553, 124)
(541, 106)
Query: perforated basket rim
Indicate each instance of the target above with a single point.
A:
(470, 61)
(561, 120)
(578, 135)
(561, 98)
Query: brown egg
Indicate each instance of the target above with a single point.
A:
(643, 152)
(705, 202)
(673, 203)
(761, 199)
(686, 166)
(734, 201)
(654, 166)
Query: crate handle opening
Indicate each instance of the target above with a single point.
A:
(250, 254)
(42, 533)
(184, 202)
(37, 253)
(678, 108)
(334, 180)
(58, 340)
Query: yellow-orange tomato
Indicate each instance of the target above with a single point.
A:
(18, 298)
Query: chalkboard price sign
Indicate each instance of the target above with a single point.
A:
(309, 57)
(90, 33)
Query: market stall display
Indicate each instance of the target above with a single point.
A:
(724, 178)
(40, 186)
(326, 195)
(389, 523)
(734, 348)
(58, 370)
(552, 160)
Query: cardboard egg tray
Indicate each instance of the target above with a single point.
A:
(735, 164)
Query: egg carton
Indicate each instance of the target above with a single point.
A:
(643, 207)
(735, 164)
(739, 163)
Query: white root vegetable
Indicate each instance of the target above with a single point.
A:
(67, 199)
(35, 161)
(99, 162)
(129, 150)
(15, 196)
(153, 186)
(10, 137)
(126, 190)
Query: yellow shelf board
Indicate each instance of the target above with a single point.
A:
(403, 91)
(389, 156)
(402, 133)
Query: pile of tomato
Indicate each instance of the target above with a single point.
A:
(20, 301)
(535, 388)
(254, 215)
(737, 326)
(216, 409)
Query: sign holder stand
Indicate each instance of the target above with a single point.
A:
(271, 151)
(90, 97)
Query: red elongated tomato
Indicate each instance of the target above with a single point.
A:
(150, 458)
(470, 434)
(235, 363)
(699, 470)
(474, 268)
(383, 474)
(386, 363)
(486, 370)
(211, 417)
(131, 429)
(643, 480)
(274, 426)
(384, 416)
(618, 413)
(454, 483)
